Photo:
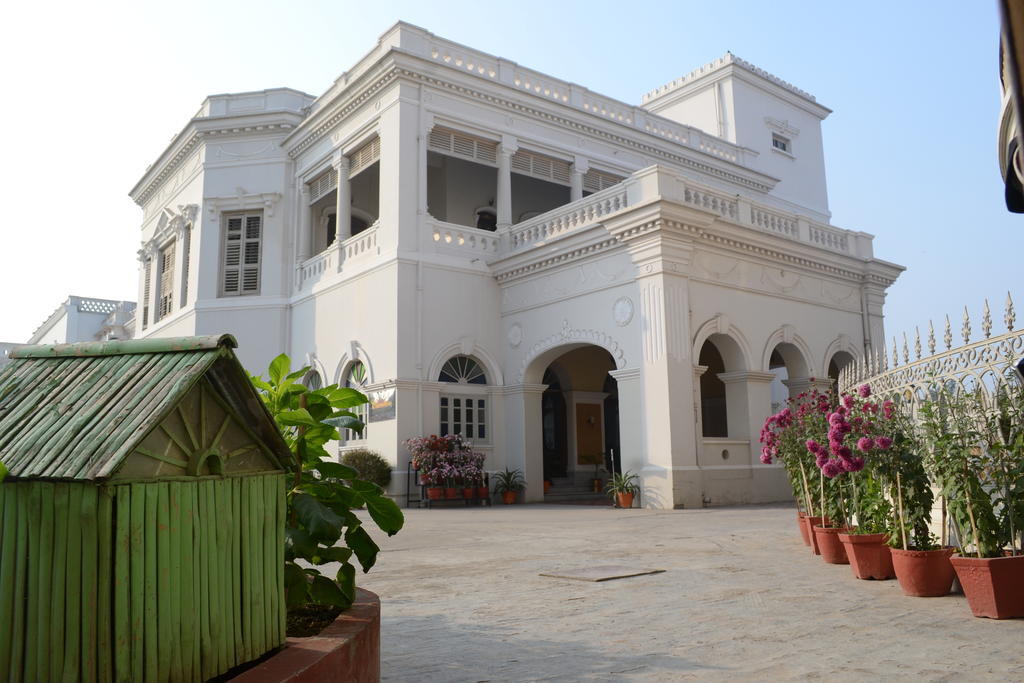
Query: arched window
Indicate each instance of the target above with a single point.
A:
(313, 380)
(462, 370)
(356, 378)
(464, 411)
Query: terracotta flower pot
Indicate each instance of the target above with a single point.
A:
(809, 523)
(508, 497)
(869, 555)
(468, 492)
(597, 485)
(923, 573)
(483, 493)
(451, 493)
(625, 500)
(435, 493)
(547, 486)
(832, 550)
(994, 586)
(803, 527)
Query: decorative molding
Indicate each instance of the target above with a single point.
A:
(622, 311)
(782, 127)
(569, 335)
(515, 335)
(725, 60)
(267, 201)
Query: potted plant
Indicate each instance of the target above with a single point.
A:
(919, 560)
(595, 459)
(622, 487)
(978, 462)
(786, 436)
(509, 483)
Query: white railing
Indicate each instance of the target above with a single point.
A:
(363, 244)
(710, 201)
(567, 218)
(908, 375)
(569, 94)
(773, 222)
(448, 236)
(313, 269)
(829, 238)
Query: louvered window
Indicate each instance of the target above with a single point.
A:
(364, 156)
(595, 181)
(323, 184)
(145, 292)
(186, 253)
(540, 166)
(357, 378)
(464, 146)
(242, 234)
(165, 304)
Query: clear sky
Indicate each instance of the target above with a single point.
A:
(93, 92)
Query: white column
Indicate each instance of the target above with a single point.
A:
(748, 399)
(800, 385)
(305, 228)
(503, 201)
(343, 207)
(579, 169)
(631, 411)
(524, 439)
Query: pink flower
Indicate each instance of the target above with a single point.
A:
(845, 453)
(765, 457)
(813, 446)
(853, 464)
(864, 390)
(865, 443)
(821, 458)
(883, 442)
(887, 408)
(832, 469)
(847, 401)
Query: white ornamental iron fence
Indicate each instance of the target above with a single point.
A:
(986, 364)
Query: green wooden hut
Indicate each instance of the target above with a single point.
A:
(142, 522)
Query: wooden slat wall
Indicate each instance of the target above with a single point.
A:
(178, 580)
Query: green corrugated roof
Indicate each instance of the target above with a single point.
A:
(75, 411)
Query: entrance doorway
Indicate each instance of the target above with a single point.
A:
(580, 420)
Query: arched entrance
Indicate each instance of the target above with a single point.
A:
(579, 420)
(838, 361)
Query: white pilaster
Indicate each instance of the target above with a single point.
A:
(180, 258)
(524, 440)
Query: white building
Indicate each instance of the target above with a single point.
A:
(490, 250)
(80, 319)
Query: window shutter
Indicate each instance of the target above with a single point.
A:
(186, 250)
(540, 166)
(595, 181)
(323, 184)
(166, 303)
(364, 156)
(242, 237)
(456, 144)
(145, 292)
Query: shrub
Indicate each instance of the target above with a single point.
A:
(370, 466)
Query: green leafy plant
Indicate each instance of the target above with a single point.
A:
(370, 466)
(323, 493)
(509, 481)
(622, 482)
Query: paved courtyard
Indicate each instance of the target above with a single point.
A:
(741, 598)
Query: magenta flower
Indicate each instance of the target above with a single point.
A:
(883, 442)
(832, 469)
(865, 443)
(853, 464)
(845, 453)
(864, 390)
(847, 401)
(765, 458)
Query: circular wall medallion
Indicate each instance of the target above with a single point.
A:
(515, 335)
(622, 311)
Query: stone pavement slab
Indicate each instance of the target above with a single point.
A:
(741, 599)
